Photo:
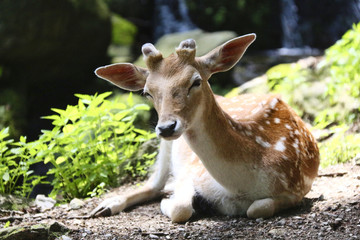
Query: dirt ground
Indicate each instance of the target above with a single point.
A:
(330, 211)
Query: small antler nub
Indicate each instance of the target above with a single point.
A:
(189, 44)
(151, 55)
(187, 48)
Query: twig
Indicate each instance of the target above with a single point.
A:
(11, 211)
(337, 174)
(11, 218)
(79, 217)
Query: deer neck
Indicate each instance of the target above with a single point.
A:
(219, 145)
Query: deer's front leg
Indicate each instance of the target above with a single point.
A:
(152, 189)
(116, 204)
(179, 206)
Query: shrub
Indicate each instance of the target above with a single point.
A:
(341, 148)
(15, 161)
(90, 146)
(336, 82)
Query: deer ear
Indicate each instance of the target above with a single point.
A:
(124, 75)
(227, 55)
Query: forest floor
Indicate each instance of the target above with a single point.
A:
(330, 211)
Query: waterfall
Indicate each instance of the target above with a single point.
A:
(171, 16)
(355, 6)
(290, 25)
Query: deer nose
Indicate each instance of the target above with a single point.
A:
(167, 129)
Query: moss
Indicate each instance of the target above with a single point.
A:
(123, 31)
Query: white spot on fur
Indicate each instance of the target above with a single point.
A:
(273, 102)
(255, 110)
(267, 122)
(266, 115)
(261, 128)
(277, 120)
(288, 126)
(263, 143)
(280, 146)
(297, 132)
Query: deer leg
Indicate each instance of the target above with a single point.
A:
(267, 207)
(152, 189)
(179, 206)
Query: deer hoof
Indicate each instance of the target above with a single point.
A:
(100, 211)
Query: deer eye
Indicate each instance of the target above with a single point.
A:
(196, 83)
(147, 95)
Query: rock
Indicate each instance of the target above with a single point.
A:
(38, 231)
(256, 85)
(282, 222)
(204, 41)
(76, 204)
(45, 42)
(64, 237)
(57, 227)
(44, 203)
(277, 231)
(153, 236)
(11, 202)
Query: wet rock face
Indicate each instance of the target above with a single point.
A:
(49, 49)
(51, 29)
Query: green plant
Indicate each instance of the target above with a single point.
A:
(341, 148)
(91, 146)
(91, 143)
(327, 94)
(15, 161)
(123, 31)
(344, 60)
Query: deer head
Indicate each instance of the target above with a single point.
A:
(177, 85)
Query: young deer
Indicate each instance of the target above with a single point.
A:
(246, 155)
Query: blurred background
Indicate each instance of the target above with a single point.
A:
(50, 48)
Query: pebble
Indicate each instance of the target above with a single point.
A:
(277, 231)
(282, 222)
(44, 203)
(153, 236)
(64, 237)
(76, 204)
(108, 235)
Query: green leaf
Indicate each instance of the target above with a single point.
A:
(130, 99)
(6, 176)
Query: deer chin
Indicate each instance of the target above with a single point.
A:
(171, 138)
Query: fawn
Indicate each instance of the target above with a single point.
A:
(248, 155)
